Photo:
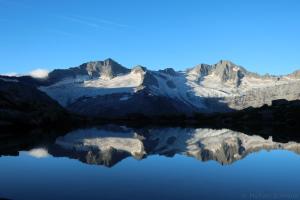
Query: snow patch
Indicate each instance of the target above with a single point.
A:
(128, 80)
(70, 89)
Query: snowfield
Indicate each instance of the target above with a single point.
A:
(69, 90)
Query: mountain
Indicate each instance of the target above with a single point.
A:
(25, 105)
(111, 144)
(108, 89)
(107, 69)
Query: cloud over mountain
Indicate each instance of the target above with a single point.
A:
(39, 73)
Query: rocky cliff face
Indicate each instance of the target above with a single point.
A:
(227, 71)
(257, 97)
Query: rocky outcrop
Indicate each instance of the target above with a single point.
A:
(259, 96)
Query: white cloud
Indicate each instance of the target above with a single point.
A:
(39, 73)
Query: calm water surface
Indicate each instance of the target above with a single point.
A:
(113, 162)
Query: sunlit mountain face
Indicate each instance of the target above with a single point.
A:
(109, 145)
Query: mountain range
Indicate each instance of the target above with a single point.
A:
(108, 89)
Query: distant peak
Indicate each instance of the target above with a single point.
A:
(108, 68)
(169, 71)
(226, 63)
(228, 71)
(110, 61)
(229, 66)
(106, 62)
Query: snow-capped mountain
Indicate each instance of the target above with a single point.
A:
(106, 88)
(111, 144)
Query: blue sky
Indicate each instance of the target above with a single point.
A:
(261, 35)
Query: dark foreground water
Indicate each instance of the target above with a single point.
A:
(113, 162)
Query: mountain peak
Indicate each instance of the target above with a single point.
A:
(169, 71)
(228, 71)
(224, 69)
(110, 61)
(107, 68)
(226, 63)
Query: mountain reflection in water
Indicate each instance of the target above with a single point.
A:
(108, 145)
